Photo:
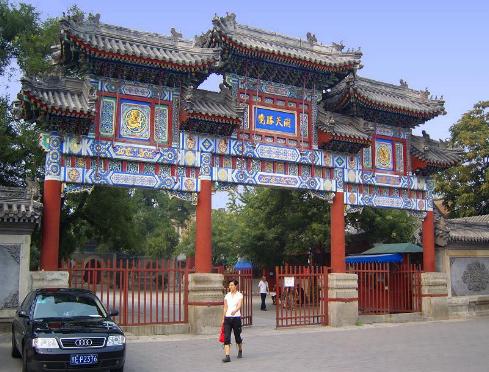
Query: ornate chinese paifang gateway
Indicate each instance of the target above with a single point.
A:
(289, 113)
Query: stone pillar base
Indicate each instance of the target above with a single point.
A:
(434, 294)
(49, 279)
(342, 299)
(205, 302)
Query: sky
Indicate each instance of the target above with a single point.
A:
(439, 45)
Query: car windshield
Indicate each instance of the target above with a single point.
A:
(67, 305)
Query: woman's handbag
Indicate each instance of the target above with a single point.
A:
(221, 335)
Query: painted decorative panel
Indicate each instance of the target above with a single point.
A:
(136, 89)
(469, 276)
(306, 171)
(275, 121)
(161, 123)
(132, 168)
(304, 124)
(399, 157)
(245, 177)
(149, 169)
(107, 116)
(116, 178)
(135, 118)
(53, 157)
(115, 165)
(383, 155)
(293, 169)
(367, 157)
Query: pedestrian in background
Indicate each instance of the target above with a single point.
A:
(263, 286)
(231, 318)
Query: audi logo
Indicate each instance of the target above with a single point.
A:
(83, 342)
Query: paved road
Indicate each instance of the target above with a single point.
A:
(425, 346)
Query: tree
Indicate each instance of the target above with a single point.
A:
(465, 187)
(278, 225)
(378, 225)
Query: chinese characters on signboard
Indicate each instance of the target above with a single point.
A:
(275, 121)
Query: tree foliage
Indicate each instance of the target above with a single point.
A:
(378, 225)
(465, 188)
(136, 222)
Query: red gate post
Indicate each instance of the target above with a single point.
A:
(428, 243)
(50, 225)
(338, 234)
(52, 204)
(203, 227)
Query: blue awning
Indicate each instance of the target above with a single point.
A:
(243, 265)
(378, 258)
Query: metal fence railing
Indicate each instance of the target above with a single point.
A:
(144, 291)
(302, 295)
(385, 288)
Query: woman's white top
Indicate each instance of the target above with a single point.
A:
(263, 286)
(233, 301)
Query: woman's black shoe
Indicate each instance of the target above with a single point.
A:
(227, 359)
(240, 353)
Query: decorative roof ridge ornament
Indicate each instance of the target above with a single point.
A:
(403, 83)
(338, 46)
(175, 35)
(227, 21)
(311, 38)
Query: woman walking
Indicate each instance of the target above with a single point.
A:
(231, 317)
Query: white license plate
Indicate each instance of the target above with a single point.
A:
(83, 359)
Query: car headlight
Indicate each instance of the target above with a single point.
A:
(116, 340)
(45, 343)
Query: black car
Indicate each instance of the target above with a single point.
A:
(64, 329)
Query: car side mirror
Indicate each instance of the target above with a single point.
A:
(22, 314)
(114, 312)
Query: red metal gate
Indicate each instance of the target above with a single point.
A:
(245, 286)
(302, 295)
(385, 288)
(145, 291)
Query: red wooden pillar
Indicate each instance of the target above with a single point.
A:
(429, 243)
(50, 225)
(338, 234)
(203, 227)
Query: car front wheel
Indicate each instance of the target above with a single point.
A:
(15, 352)
(25, 365)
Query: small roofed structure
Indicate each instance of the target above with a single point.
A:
(20, 214)
(61, 101)
(462, 252)
(429, 156)
(279, 54)
(159, 56)
(381, 102)
(210, 112)
(400, 248)
(19, 209)
(375, 258)
(342, 133)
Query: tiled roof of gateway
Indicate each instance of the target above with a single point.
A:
(435, 153)
(469, 229)
(17, 205)
(116, 42)
(71, 96)
(343, 126)
(309, 51)
(383, 96)
(215, 104)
